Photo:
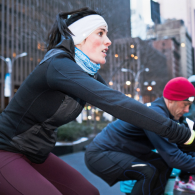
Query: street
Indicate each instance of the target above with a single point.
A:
(76, 160)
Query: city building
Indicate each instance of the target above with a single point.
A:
(155, 12)
(142, 12)
(24, 27)
(176, 29)
(138, 24)
(171, 49)
(183, 9)
(135, 65)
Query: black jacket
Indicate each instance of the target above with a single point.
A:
(55, 93)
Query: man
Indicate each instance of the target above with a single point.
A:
(124, 152)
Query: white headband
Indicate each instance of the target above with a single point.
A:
(83, 27)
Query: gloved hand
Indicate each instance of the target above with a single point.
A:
(189, 146)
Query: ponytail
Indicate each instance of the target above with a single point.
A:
(60, 26)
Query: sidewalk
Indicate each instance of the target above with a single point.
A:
(76, 160)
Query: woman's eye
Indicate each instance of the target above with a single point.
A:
(100, 33)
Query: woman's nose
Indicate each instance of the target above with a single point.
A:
(108, 41)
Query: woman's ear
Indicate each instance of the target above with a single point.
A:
(80, 45)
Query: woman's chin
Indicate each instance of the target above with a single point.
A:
(103, 61)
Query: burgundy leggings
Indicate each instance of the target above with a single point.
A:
(18, 176)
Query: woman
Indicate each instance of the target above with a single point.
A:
(54, 94)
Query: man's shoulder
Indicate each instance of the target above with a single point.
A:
(159, 106)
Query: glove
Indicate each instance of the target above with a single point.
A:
(189, 146)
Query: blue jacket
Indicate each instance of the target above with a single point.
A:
(124, 137)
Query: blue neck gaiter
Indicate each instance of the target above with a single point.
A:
(84, 62)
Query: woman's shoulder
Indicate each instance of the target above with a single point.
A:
(62, 54)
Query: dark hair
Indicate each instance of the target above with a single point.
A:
(60, 27)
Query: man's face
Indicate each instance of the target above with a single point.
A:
(178, 108)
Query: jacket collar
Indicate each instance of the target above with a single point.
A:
(160, 101)
(66, 44)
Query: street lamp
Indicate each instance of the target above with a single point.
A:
(8, 79)
(149, 88)
(116, 71)
(146, 83)
(149, 85)
(110, 83)
(136, 76)
(128, 82)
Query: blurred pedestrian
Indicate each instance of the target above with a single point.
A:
(122, 151)
(55, 94)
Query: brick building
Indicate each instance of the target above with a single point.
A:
(176, 29)
(171, 49)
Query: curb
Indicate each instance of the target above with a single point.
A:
(62, 148)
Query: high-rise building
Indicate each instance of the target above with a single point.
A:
(143, 13)
(140, 18)
(24, 25)
(180, 10)
(183, 10)
(21, 31)
(138, 25)
(155, 12)
(176, 29)
(171, 49)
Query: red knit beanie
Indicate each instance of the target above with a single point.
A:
(179, 89)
